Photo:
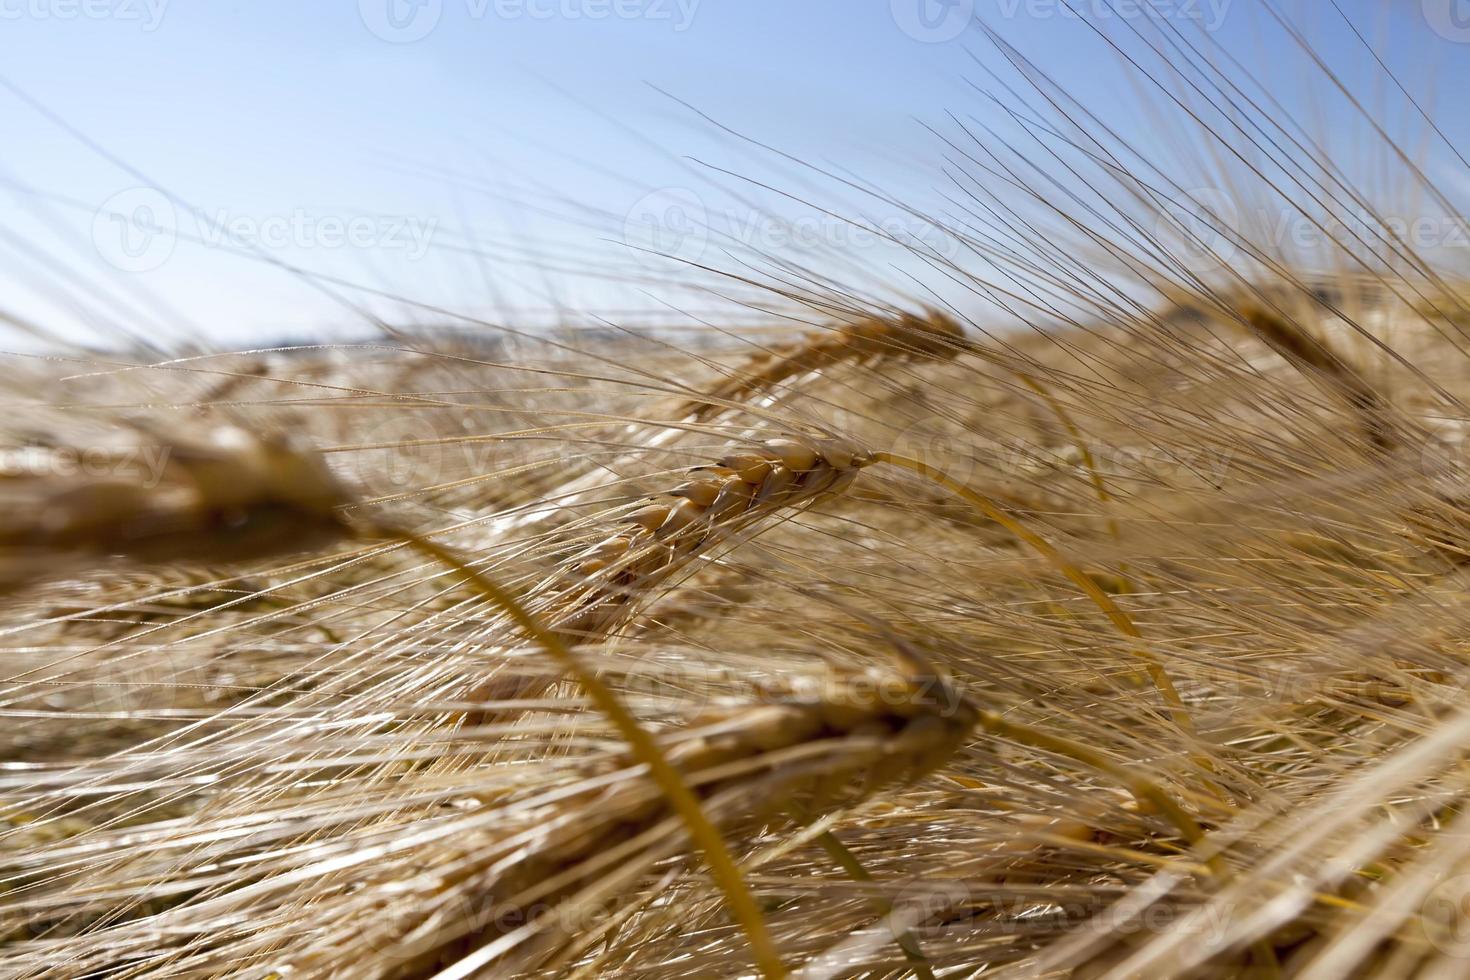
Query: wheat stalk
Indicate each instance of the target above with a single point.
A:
(659, 537)
(834, 742)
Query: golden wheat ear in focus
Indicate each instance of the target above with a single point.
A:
(227, 495)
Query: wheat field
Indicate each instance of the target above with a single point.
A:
(1114, 629)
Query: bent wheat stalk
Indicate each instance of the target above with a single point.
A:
(659, 537)
(681, 799)
(755, 767)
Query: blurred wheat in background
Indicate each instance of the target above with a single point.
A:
(1071, 584)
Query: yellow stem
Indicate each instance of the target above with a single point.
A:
(1143, 789)
(1078, 441)
(645, 749)
(853, 868)
(1104, 602)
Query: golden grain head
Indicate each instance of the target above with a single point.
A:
(227, 496)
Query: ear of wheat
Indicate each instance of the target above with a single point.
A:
(753, 766)
(870, 340)
(599, 586)
(658, 538)
(233, 496)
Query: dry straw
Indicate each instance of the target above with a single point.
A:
(267, 480)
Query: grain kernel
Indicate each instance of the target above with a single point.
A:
(649, 516)
(797, 456)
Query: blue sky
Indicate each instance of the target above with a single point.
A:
(383, 142)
